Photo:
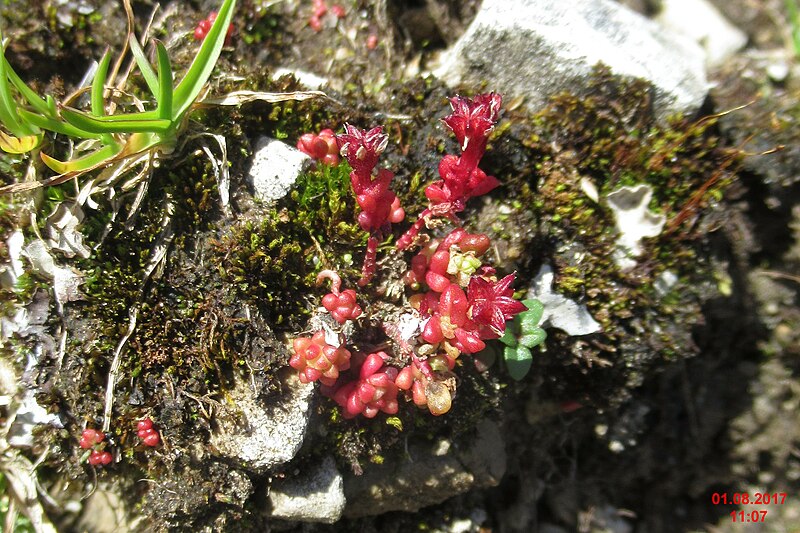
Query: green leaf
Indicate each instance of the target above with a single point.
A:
(98, 84)
(533, 338)
(98, 87)
(203, 64)
(40, 105)
(509, 338)
(8, 108)
(395, 422)
(518, 361)
(535, 309)
(164, 97)
(144, 65)
(121, 123)
(45, 122)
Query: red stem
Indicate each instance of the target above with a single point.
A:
(408, 237)
(368, 270)
(336, 281)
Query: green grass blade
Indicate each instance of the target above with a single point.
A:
(98, 88)
(8, 108)
(31, 97)
(203, 64)
(164, 97)
(124, 123)
(56, 126)
(98, 85)
(144, 65)
(794, 24)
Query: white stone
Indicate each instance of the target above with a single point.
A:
(316, 496)
(275, 168)
(309, 79)
(259, 436)
(634, 222)
(538, 48)
(700, 20)
(559, 311)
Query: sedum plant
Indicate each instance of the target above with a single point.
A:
(109, 138)
(456, 300)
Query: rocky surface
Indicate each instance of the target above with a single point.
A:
(316, 495)
(538, 48)
(261, 435)
(431, 473)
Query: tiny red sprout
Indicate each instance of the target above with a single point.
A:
(144, 424)
(204, 26)
(322, 147)
(380, 207)
(98, 458)
(153, 439)
(341, 305)
(471, 121)
(147, 432)
(90, 437)
(338, 11)
(372, 41)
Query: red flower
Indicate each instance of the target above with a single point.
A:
(492, 303)
(362, 148)
(473, 118)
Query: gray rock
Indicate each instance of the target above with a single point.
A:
(700, 20)
(315, 496)
(432, 473)
(537, 48)
(275, 168)
(259, 436)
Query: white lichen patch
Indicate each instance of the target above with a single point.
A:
(11, 271)
(559, 311)
(275, 168)
(63, 233)
(634, 222)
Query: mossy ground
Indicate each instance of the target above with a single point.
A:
(233, 289)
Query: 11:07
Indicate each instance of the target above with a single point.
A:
(752, 516)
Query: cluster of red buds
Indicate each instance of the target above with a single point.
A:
(342, 305)
(322, 147)
(91, 439)
(374, 391)
(316, 360)
(457, 301)
(204, 26)
(320, 9)
(146, 432)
